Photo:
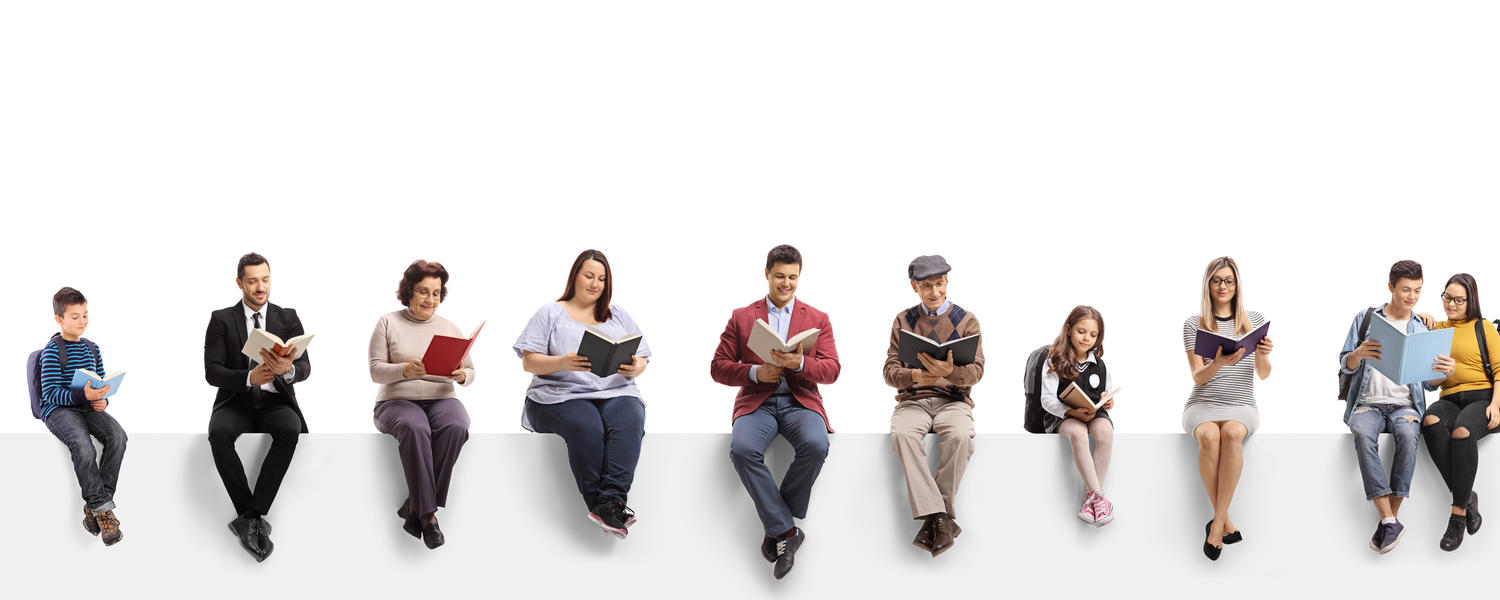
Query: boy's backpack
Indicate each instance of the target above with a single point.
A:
(1032, 379)
(34, 370)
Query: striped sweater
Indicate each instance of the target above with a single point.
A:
(951, 325)
(55, 384)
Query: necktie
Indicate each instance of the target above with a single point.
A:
(255, 392)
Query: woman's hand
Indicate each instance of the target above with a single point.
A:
(573, 361)
(635, 367)
(1427, 320)
(458, 376)
(414, 369)
(1444, 364)
(1262, 349)
(1493, 413)
(1082, 414)
(1109, 401)
(1224, 360)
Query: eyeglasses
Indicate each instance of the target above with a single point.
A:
(1221, 281)
(426, 295)
(1455, 300)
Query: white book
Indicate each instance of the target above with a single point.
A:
(764, 339)
(261, 339)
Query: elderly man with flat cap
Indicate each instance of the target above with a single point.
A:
(933, 396)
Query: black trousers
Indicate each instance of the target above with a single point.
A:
(226, 425)
(1457, 459)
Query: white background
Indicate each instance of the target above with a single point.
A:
(1056, 153)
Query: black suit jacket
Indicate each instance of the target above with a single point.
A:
(227, 368)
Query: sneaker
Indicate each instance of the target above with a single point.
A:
(90, 524)
(786, 552)
(608, 515)
(1472, 519)
(1454, 535)
(1103, 509)
(1086, 513)
(109, 527)
(1387, 536)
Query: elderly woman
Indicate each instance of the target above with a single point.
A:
(601, 419)
(418, 408)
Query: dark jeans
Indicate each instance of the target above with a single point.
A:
(429, 435)
(753, 433)
(604, 441)
(73, 425)
(1457, 459)
(226, 425)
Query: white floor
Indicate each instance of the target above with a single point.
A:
(515, 524)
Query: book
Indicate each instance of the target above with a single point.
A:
(84, 377)
(445, 353)
(909, 345)
(606, 354)
(1406, 358)
(1206, 341)
(1075, 397)
(764, 339)
(261, 339)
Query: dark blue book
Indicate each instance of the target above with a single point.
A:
(1207, 341)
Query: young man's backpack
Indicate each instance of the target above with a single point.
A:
(34, 369)
(1032, 380)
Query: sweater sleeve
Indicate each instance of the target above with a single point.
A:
(382, 370)
(897, 375)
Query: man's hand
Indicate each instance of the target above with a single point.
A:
(276, 363)
(940, 368)
(768, 373)
(787, 360)
(920, 377)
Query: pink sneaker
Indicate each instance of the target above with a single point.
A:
(1104, 511)
(1086, 512)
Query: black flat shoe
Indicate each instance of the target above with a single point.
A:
(412, 524)
(1472, 518)
(432, 536)
(1210, 550)
(1234, 538)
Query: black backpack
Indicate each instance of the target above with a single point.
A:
(34, 369)
(1484, 351)
(1035, 416)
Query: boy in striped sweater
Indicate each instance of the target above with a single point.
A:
(75, 414)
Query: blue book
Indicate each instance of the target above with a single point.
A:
(84, 377)
(1406, 358)
(1207, 341)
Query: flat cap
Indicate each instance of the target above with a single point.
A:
(927, 267)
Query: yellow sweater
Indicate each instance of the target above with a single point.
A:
(1469, 371)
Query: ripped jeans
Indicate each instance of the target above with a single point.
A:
(1367, 422)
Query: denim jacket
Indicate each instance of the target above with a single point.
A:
(1418, 390)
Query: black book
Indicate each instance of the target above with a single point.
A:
(910, 345)
(606, 354)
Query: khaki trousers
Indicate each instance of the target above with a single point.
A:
(953, 421)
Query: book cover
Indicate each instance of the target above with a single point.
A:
(1406, 358)
(606, 354)
(909, 345)
(445, 353)
(764, 339)
(1207, 341)
(84, 377)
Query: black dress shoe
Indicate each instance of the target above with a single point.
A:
(1210, 550)
(411, 524)
(432, 536)
(786, 551)
(248, 530)
(1472, 518)
(768, 549)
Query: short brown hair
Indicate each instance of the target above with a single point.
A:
(416, 272)
(1406, 269)
(64, 298)
(784, 254)
(248, 260)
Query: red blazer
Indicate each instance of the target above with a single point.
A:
(733, 359)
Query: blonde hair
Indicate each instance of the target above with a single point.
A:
(1206, 320)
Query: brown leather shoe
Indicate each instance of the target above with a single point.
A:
(944, 530)
(90, 524)
(109, 527)
(924, 535)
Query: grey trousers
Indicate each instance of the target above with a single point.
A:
(429, 434)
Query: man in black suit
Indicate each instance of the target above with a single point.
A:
(254, 397)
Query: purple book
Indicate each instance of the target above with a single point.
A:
(1207, 341)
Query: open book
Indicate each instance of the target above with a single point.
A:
(1406, 358)
(606, 354)
(1075, 397)
(84, 377)
(1206, 341)
(910, 345)
(764, 339)
(261, 339)
(445, 353)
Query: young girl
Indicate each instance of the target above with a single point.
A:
(1077, 356)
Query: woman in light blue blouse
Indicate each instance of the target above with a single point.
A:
(602, 419)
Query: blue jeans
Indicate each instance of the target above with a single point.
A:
(1368, 422)
(753, 433)
(603, 436)
(73, 425)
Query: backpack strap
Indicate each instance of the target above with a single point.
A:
(1484, 351)
(1364, 330)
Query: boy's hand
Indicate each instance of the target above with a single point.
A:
(99, 405)
(92, 393)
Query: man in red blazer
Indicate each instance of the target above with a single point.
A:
(778, 397)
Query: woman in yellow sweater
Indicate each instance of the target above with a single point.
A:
(1469, 408)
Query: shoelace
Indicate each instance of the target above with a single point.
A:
(108, 522)
(780, 547)
(1456, 525)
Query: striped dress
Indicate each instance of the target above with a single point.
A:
(1230, 395)
(55, 390)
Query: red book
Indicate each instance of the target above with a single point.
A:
(445, 353)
